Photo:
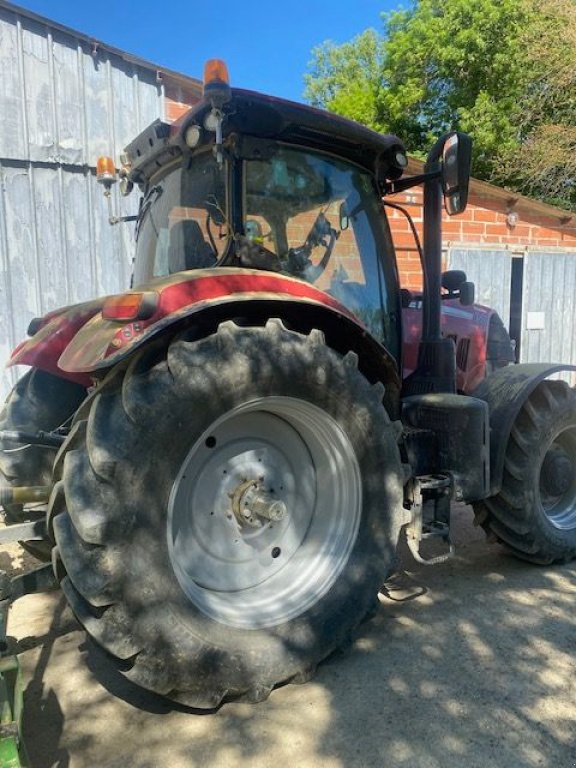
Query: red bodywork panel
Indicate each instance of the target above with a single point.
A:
(77, 341)
(57, 329)
(468, 326)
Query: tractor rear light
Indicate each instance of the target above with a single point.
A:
(130, 306)
(193, 135)
(105, 171)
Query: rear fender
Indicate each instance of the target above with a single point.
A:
(50, 335)
(506, 391)
(204, 298)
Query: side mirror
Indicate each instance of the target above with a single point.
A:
(456, 163)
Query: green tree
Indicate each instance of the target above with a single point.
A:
(543, 162)
(503, 70)
(347, 78)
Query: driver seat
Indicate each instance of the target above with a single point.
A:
(187, 248)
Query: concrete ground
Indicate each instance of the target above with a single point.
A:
(471, 663)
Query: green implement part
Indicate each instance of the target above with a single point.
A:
(12, 752)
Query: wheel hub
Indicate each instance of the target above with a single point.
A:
(558, 481)
(252, 506)
(557, 473)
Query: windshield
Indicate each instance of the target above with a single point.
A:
(182, 222)
(320, 219)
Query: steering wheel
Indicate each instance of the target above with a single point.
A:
(299, 261)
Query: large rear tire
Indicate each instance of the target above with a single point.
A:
(227, 514)
(534, 514)
(38, 401)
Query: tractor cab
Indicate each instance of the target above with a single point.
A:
(276, 207)
(281, 189)
(249, 181)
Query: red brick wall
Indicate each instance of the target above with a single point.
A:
(483, 223)
(406, 251)
(178, 101)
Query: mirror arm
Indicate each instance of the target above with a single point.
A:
(432, 218)
(393, 187)
(119, 219)
(436, 367)
(112, 220)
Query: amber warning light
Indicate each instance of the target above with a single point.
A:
(105, 171)
(216, 71)
(216, 82)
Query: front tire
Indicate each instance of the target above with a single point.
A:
(228, 517)
(534, 514)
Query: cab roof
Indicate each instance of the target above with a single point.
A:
(254, 114)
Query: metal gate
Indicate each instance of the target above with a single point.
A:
(534, 293)
(549, 304)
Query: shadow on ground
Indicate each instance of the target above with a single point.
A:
(470, 663)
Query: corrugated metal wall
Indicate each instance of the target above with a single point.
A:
(62, 104)
(548, 320)
(549, 307)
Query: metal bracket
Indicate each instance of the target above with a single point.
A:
(12, 751)
(401, 185)
(438, 490)
(47, 439)
(40, 579)
(34, 530)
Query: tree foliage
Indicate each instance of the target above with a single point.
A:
(347, 78)
(503, 70)
(543, 161)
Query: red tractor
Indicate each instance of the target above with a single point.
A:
(229, 450)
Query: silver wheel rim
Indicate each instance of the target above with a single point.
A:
(560, 507)
(266, 573)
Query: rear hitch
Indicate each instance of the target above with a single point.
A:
(29, 530)
(430, 517)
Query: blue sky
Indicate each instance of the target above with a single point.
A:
(267, 45)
